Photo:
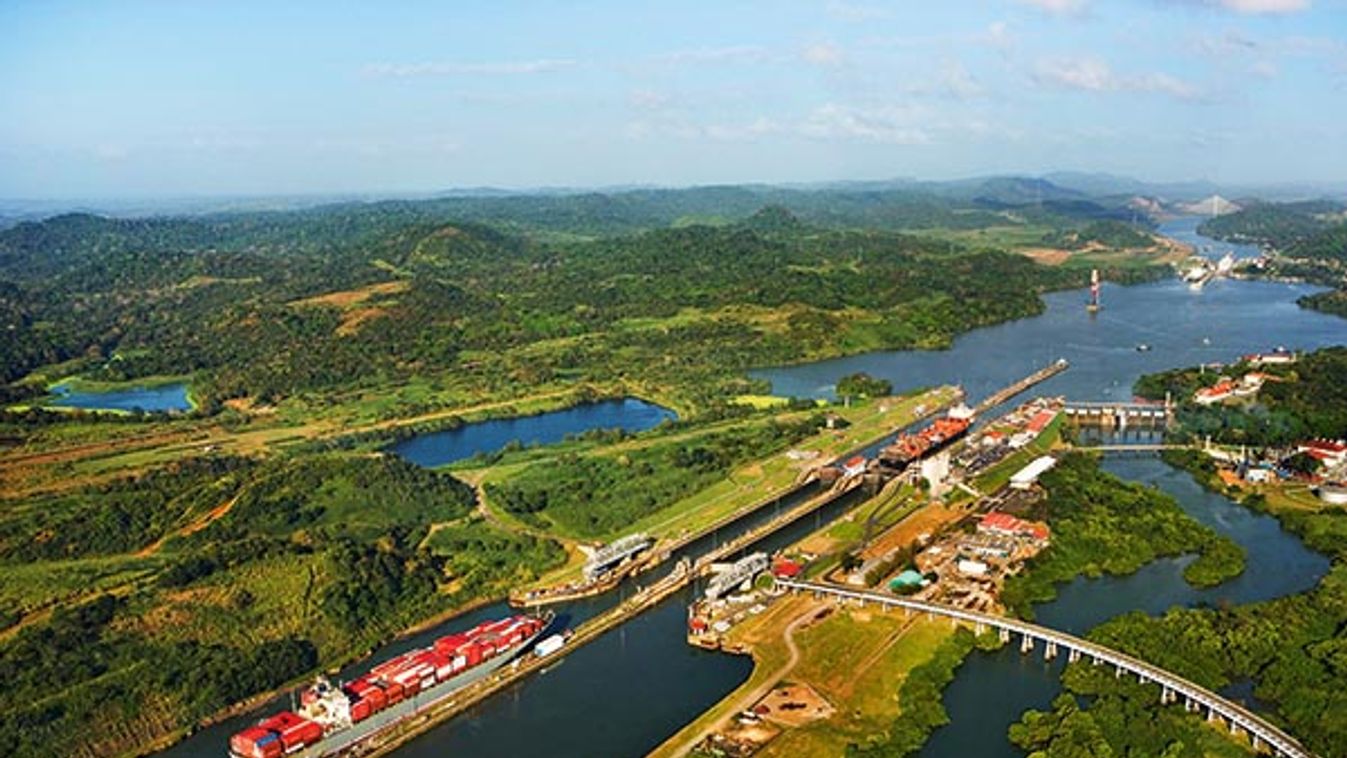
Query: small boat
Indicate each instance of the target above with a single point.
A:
(1143, 348)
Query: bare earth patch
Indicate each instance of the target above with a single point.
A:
(348, 298)
(352, 320)
(793, 705)
(1048, 256)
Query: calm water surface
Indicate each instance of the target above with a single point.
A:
(439, 448)
(166, 397)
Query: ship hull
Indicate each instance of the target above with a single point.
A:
(343, 739)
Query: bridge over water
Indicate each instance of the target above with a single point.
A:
(1262, 734)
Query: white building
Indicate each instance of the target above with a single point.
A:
(1025, 477)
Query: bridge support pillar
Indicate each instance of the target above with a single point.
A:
(1117, 672)
(1166, 695)
(1234, 727)
(979, 628)
(1257, 743)
(1073, 655)
(1049, 650)
(1026, 644)
(1004, 634)
(1096, 660)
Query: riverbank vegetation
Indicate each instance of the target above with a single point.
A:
(1103, 525)
(919, 701)
(1309, 239)
(1304, 400)
(1290, 649)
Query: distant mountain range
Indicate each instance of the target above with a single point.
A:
(1068, 192)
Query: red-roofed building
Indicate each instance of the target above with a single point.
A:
(1216, 393)
(1331, 452)
(785, 568)
(1004, 524)
(1040, 421)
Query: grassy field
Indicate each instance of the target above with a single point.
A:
(855, 659)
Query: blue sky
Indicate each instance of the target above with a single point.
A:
(127, 99)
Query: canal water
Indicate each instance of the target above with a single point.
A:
(166, 397)
(635, 686)
(440, 448)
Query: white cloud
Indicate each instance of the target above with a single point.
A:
(959, 83)
(1094, 75)
(1258, 7)
(823, 54)
(731, 54)
(448, 68)
(848, 11)
(647, 99)
(895, 125)
(1058, 7)
(683, 129)
(1228, 43)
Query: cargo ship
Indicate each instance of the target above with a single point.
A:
(333, 717)
(910, 448)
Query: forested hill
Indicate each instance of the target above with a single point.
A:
(260, 323)
(1282, 225)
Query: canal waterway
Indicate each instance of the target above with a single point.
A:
(633, 687)
(440, 448)
(161, 398)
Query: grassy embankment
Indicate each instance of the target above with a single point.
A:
(856, 660)
(743, 487)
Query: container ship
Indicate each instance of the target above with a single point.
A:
(910, 448)
(333, 717)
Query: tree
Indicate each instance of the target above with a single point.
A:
(861, 384)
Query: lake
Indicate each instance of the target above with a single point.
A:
(440, 448)
(159, 398)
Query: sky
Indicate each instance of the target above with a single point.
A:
(161, 99)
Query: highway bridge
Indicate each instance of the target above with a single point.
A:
(1262, 734)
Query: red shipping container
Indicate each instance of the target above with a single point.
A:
(473, 654)
(257, 742)
(394, 692)
(360, 710)
(301, 735)
(372, 694)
